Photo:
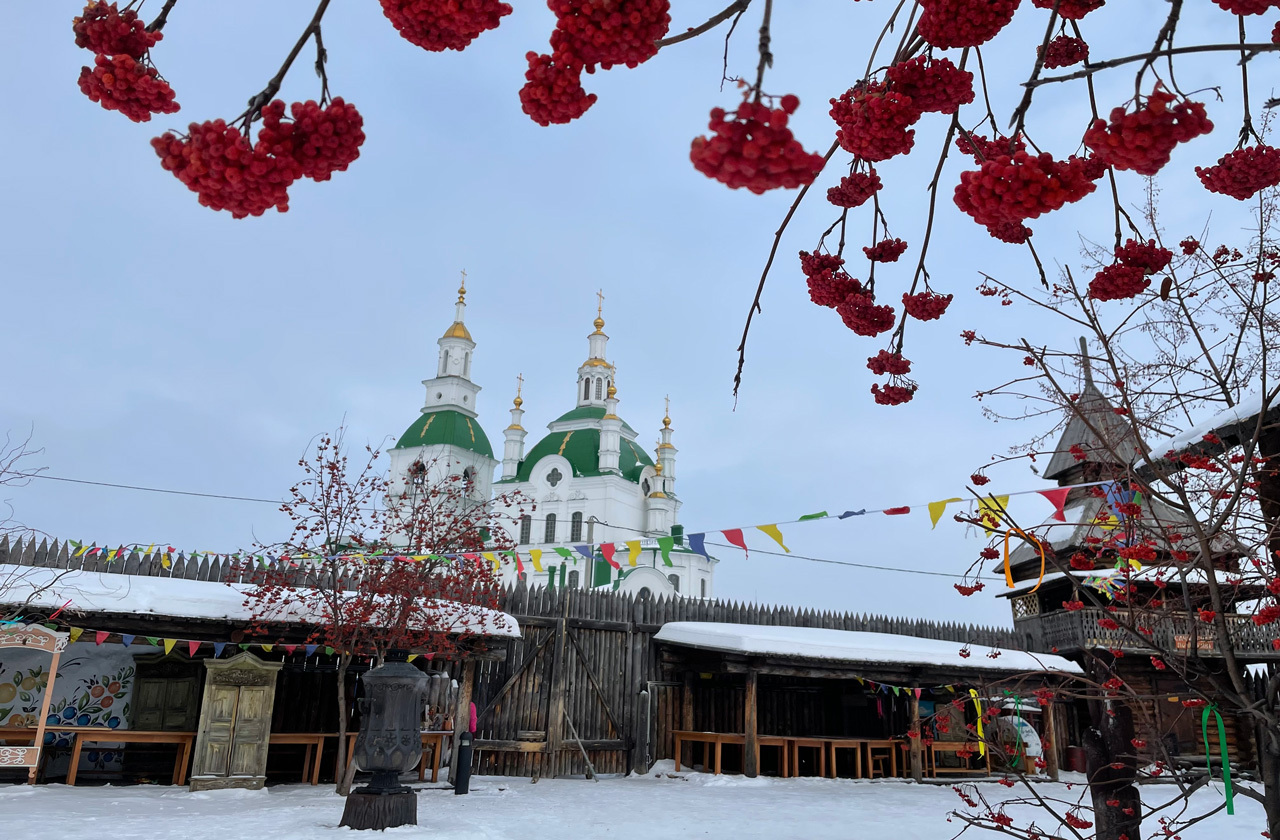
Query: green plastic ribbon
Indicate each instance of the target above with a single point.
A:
(1222, 749)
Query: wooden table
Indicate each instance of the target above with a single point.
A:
(708, 740)
(931, 757)
(820, 744)
(314, 742)
(104, 734)
(892, 745)
(433, 739)
(855, 744)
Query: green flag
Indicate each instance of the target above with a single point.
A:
(665, 544)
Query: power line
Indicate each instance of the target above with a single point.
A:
(154, 489)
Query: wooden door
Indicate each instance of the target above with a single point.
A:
(251, 731)
(218, 731)
(148, 704)
(181, 709)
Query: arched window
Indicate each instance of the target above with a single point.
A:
(526, 529)
(599, 386)
(675, 581)
(466, 365)
(550, 535)
(575, 526)
(704, 587)
(586, 389)
(573, 579)
(645, 593)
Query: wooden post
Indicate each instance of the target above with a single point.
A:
(640, 759)
(462, 714)
(751, 748)
(44, 714)
(686, 716)
(917, 762)
(555, 707)
(1050, 745)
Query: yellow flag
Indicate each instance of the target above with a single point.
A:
(168, 645)
(151, 548)
(991, 512)
(633, 551)
(413, 656)
(535, 556)
(936, 509)
(977, 704)
(772, 530)
(497, 564)
(267, 648)
(75, 632)
(82, 550)
(165, 561)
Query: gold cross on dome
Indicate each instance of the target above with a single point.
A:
(600, 302)
(668, 400)
(519, 383)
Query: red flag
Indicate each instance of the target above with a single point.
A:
(519, 562)
(897, 511)
(290, 648)
(1058, 498)
(734, 536)
(100, 636)
(607, 549)
(192, 647)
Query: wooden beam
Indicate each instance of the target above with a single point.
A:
(917, 757)
(462, 713)
(1050, 745)
(511, 746)
(686, 716)
(751, 749)
(555, 706)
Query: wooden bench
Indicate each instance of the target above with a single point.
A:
(314, 742)
(103, 734)
(708, 740)
(820, 744)
(855, 744)
(931, 756)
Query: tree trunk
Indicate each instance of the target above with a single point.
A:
(1269, 769)
(1112, 769)
(340, 775)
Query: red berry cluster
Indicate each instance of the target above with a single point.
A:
(891, 363)
(217, 163)
(926, 306)
(855, 189)
(552, 91)
(1248, 7)
(437, 26)
(1147, 256)
(1143, 140)
(1275, 33)
(829, 285)
(963, 23)
(1008, 189)
(1014, 233)
(1065, 51)
(1242, 173)
(861, 314)
(609, 33)
(102, 29)
(753, 148)
(321, 140)
(1118, 282)
(1070, 9)
(934, 85)
(892, 394)
(875, 122)
(981, 148)
(125, 84)
(886, 250)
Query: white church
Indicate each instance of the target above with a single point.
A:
(590, 482)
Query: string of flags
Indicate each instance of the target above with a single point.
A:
(991, 512)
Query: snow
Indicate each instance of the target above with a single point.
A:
(179, 598)
(1169, 574)
(852, 646)
(660, 805)
(1244, 410)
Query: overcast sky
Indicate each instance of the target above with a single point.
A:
(151, 341)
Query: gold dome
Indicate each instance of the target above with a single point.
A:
(457, 330)
(612, 391)
(517, 402)
(658, 468)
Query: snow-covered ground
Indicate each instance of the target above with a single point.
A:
(635, 808)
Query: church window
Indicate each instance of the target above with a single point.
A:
(704, 587)
(466, 367)
(553, 477)
(675, 581)
(644, 487)
(599, 386)
(586, 389)
(645, 593)
(526, 529)
(575, 526)
(573, 579)
(550, 534)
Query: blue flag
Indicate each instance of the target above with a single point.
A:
(585, 551)
(217, 649)
(311, 649)
(698, 544)
(128, 640)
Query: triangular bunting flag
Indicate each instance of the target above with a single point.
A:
(413, 656)
(243, 645)
(936, 509)
(266, 648)
(698, 544)
(289, 649)
(1057, 498)
(633, 551)
(991, 512)
(154, 641)
(819, 515)
(849, 513)
(664, 545)
(585, 551)
(75, 633)
(217, 649)
(192, 647)
(126, 640)
(565, 553)
(309, 649)
(896, 511)
(100, 636)
(734, 536)
(535, 557)
(519, 563)
(608, 549)
(772, 530)
(492, 558)
(168, 645)
(917, 691)
(328, 651)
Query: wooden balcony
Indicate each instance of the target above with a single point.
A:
(1176, 633)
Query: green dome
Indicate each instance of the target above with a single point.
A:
(581, 447)
(447, 428)
(588, 412)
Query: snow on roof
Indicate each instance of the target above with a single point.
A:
(1245, 410)
(1148, 574)
(180, 598)
(852, 646)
